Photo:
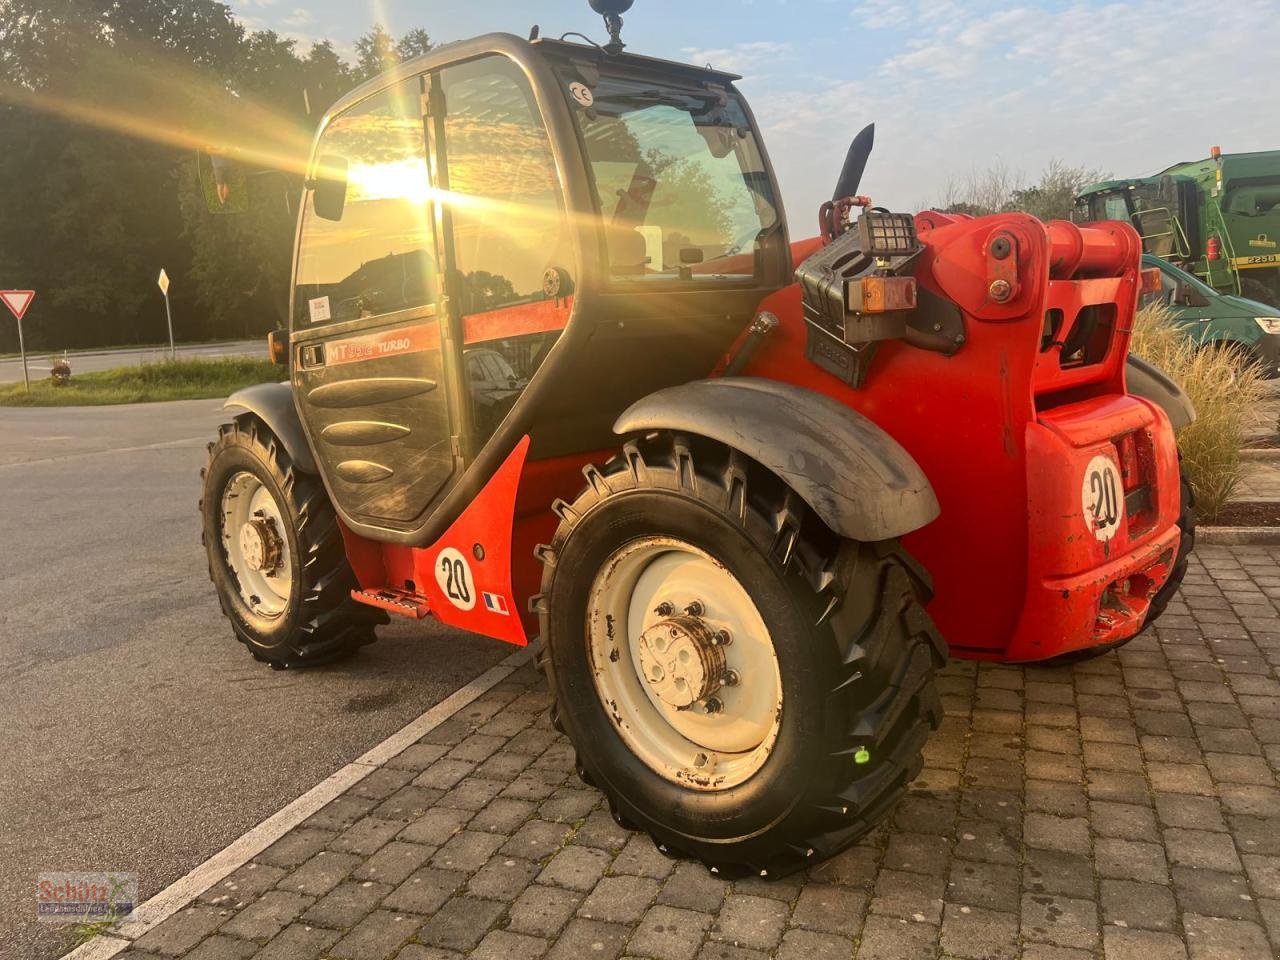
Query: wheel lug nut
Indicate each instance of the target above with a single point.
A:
(714, 705)
(731, 678)
(723, 638)
(695, 609)
(665, 609)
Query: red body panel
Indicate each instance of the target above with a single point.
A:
(1007, 430)
(482, 537)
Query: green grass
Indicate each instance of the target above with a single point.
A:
(146, 383)
(1226, 396)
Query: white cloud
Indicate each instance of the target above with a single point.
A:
(1126, 87)
(752, 57)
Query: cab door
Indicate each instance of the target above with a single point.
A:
(371, 379)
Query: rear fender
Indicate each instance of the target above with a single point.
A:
(272, 403)
(852, 474)
(1151, 383)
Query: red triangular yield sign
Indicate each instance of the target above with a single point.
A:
(17, 300)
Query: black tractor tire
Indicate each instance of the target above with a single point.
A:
(1187, 525)
(321, 622)
(1252, 289)
(857, 654)
(1165, 595)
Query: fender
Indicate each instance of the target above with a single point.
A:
(853, 475)
(272, 403)
(1151, 383)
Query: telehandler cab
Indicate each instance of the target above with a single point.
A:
(521, 263)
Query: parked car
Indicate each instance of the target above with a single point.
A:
(1249, 327)
(494, 387)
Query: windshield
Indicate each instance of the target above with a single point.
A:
(1177, 273)
(679, 179)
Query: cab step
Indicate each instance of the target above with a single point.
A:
(400, 602)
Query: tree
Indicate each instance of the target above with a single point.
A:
(414, 43)
(375, 52)
(998, 190)
(103, 107)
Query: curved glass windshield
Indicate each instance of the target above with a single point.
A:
(679, 179)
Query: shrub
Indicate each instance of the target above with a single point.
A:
(1226, 394)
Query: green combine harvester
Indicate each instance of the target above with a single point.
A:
(1218, 218)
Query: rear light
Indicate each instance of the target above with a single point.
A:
(1151, 280)
(882, 294)
(1212, 249)
(1137, 470)
(1127, 449)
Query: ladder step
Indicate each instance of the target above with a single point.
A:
(399, 602)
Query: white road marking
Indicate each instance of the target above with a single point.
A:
(222, 864)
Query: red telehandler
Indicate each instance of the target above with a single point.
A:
(556, 370)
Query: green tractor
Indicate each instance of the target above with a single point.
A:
(1218, 218)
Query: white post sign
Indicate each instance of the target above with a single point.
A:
(18, 301)
(163, 283)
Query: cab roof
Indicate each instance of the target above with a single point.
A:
(522, 49)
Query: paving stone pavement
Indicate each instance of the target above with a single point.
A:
(1125, 808)
(1260, 481)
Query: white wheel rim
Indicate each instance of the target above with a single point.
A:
(697, 746)
(256, 545)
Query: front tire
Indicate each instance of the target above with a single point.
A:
(275, 553)
(1252, 289)
(822, 728)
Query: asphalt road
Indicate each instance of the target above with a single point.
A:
(88, 361)
(135, 733)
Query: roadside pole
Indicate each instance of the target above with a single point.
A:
(163, 283)
(17, 301)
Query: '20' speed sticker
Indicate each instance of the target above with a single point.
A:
(453, 574)
(1102, 497)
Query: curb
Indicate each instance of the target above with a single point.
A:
(1260, 453)
(1237, 536)
(183, 891)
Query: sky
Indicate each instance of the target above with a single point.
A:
(954, 86)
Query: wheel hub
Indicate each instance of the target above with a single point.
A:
(682, 659)
(261, 545)
(684, 664)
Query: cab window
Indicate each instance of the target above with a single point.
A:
(509, 230)
(379, 257)
(679, 179)
(508, 221)
(1116, 207)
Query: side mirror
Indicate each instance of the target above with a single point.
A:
(223, 182)
(329, 188)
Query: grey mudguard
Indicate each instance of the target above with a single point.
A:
(1152, 383)
(853, 475)
(272, 403)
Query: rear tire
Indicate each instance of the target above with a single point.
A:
(1187, 525)
(1252, 289)
(300, 612)
(854, 650)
